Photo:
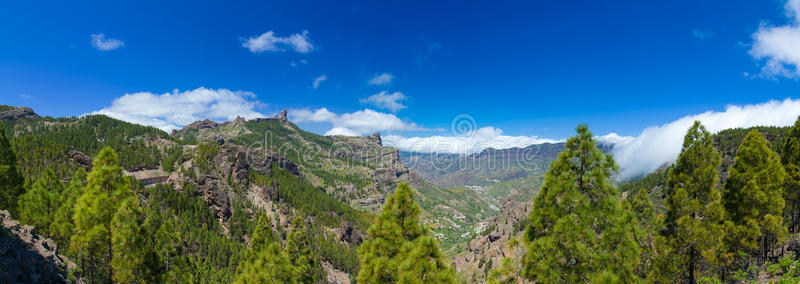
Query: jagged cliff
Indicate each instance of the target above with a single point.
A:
(29, 258)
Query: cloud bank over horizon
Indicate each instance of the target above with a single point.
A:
(174, 110)
(659, 145)
(362, 122)
(465, 144)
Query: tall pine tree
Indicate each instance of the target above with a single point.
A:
(298, 246)
(38, 206)
(399, 247)
(264, 261)
(11, 181)
(753, 197)
(62, 227)
(692, 227)
(105, 191)
(578, 227)
(128, 243)
(791, 163)
(269, 265)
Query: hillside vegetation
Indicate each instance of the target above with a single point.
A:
(262, 200)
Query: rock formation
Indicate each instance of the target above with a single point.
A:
(13, 113)
(29, 258)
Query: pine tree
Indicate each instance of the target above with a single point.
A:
(37, 207)
(425, 263)
(753, 196)
(11, 181)
(298, 247)
(791, 162)
(386, 254)
(167, 247)
(62, 227)
(507, 273)
(105, 190)
(127, 241)
(264, 261)
(262, 236)
(269, 265)
(578, 227)
(692, 230)
(648, 225)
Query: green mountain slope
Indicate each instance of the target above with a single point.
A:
(220, 176)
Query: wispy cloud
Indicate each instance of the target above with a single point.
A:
(777, 46)
(268, 41)
(100, 42)
(464, 144)
(25, 96)
(357, 123)
(381, 79)
(430, 48)
(297, 63)
(173, 110)
(386, 101)
(318, 81)
(702, 34)
(660, 145)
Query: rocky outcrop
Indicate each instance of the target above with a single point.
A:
(492, 244)
(231, 166)
(80, 159)
(282, 116)
(14, 113)
(334, 275)
(202, 124)
(376, 137)
(29, 258)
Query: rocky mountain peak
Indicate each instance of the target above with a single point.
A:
(282, 116)
(8, 113)
(377, 137)
(202, 124)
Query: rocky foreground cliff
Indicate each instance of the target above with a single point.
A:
(26, 257)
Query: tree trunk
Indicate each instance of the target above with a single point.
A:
(692, 260)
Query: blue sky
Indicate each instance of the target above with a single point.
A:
(530, 68)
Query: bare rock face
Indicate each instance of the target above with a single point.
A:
(29, 258)
(351, 235)
(17, 113)
(493, 245)
(334, 275)
(202, 124)
(377, 138)
(231, 165)
(81, 159)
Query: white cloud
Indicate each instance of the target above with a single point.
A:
(381, 79)
(386, 101)
(702, 34)
(613, 138)
(358, 123)
(269, 42)
(473, 142)
(318, 81)
(295, 64)
(343, 131)
(100, 42)
(170, 111)
(25, 96)
(779, 46)
(660, 145)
